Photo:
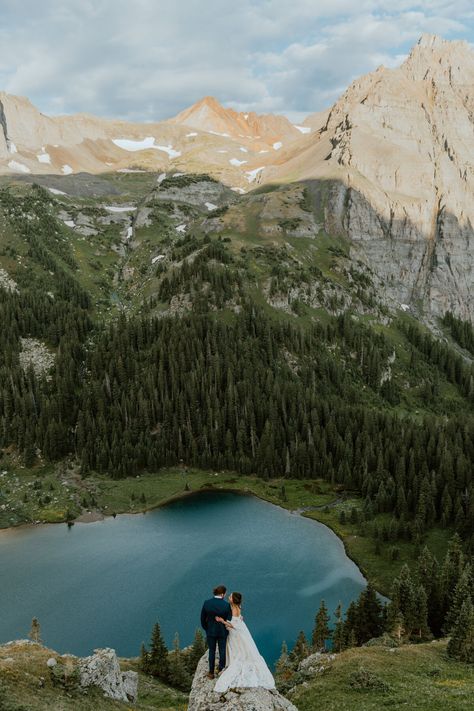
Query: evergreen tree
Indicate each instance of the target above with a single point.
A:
(421, 628)
(462, 592)
(301, 649)
(461, 644)
(198, 648)
(338, 633)
(369, 617)
(178, 675)
(144, 662)
(321, 631)
(158, 656)
(283, 667)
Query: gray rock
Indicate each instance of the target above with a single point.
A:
(102, 669)
(51, 662)
(204, 698)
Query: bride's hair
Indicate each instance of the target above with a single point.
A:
(237, 598)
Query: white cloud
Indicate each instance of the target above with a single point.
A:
(147, 60)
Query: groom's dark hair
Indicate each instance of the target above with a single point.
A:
(220, 590)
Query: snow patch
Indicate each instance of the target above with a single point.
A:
(263, 151)
(12, 148)
(237, 162)
(241, 191)
(169, 150)
(252, 174)
(222, 151)
(303, 129)
(246, 116)
(244, 150)
(181, 228)
(160, 178)
(18, 167)
(190, 135)
(277, 145)
(210, 206)
(44, 158)
(215, 133)
(67, 170)
(130, 170)
(56, 192)
(128, 144)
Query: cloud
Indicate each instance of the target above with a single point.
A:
(149, 59)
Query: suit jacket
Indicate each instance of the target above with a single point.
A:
(215, 607)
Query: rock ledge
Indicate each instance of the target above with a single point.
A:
(204, 698)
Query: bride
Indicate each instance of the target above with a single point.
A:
(245, 665)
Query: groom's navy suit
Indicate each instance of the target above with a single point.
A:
(216, 632)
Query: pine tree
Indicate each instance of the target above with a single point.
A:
(461, 644)
(370, 621)
(158, 655)
(283, 667)
(144, 662)
(178, 675)
(196, 652)
(321, 631)
(421, 628)
(462, 592)
(301, 649)
(35, 631)
(338, 633)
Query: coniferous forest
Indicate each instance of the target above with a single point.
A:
(248, 392)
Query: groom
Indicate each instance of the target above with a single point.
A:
(216, 632)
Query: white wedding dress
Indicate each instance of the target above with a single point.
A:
(245, 665)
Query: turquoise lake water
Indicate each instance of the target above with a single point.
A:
(104, 584)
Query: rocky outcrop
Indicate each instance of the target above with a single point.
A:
(204, 698)
(102, 669)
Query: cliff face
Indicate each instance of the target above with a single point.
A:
(400, 142)
(203, 697)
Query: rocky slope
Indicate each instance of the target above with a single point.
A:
(398, 147)
(35, 677)
(204, 698)
(206, 137)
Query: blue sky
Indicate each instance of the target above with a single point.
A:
(148, 59)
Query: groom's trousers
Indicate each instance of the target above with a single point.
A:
(212, 642)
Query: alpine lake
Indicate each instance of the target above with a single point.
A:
(105, 584)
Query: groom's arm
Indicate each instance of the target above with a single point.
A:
(204, 618)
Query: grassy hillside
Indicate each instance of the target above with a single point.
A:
(416, 677)
(26, 685)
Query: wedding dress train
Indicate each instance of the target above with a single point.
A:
(245, 665)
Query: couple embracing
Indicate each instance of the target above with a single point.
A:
(240, 663)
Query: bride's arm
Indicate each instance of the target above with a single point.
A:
(225, 622)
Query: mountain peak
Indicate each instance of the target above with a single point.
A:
(209, 115)
(434, 58)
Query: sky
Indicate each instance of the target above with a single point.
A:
(146, 60)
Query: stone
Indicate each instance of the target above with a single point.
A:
(203, 697)
(102, 669)
(51, 662)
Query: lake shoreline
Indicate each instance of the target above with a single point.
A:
(96, 516)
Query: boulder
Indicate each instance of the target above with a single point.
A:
(204, 698)
(102, 669)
